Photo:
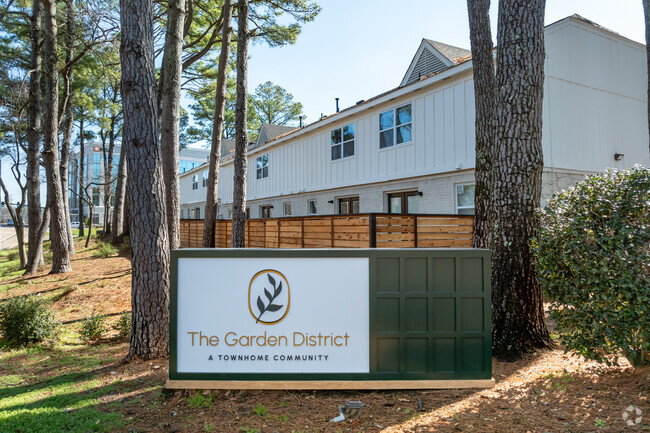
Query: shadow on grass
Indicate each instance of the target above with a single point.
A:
(67, 394)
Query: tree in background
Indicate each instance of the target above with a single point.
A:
(511, 183)
(148, 231)
(274, 105)
(217, 131)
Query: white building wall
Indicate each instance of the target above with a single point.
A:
(595, 100)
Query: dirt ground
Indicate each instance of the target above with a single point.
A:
(547, 391)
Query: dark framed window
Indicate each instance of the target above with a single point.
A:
(311, 205)
(195, 181)
(265, 211)
(205, 178)
(348, 205)
(263, 166)
(342, 142)
(403, 202)
(395, 126)
(287, 209)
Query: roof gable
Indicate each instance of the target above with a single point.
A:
(432, 57)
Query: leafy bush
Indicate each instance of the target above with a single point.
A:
(123, 325)
(593, 262)
(27, 320)
(92, 327)
(106, 250)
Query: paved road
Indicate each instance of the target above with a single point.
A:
(8, 237)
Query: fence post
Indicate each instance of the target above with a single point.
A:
(332, 231)
(264, 233)
(415, 230)
(302, 232)
(373, 230)
(279, 233)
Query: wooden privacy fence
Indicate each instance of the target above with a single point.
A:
(373, 230)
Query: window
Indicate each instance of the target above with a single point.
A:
(287, 209)
(197, 213)
(195, 181)
(403, 202)
(342, 142)
(263, 166)
(96, 196)
(465, 199)
(205, 178)
(265, 211)
(311, 207)
(182, 213)
(395, 126)
(348, 205)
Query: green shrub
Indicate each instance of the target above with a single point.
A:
(92, 327)
(593, 262)
(106, 250)
(123, 325)
(25, 320)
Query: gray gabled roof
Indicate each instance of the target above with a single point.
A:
(268, 132)
(453, 54)
(227, 146)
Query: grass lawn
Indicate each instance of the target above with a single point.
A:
(68, 385)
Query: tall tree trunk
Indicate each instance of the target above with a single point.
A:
(108, 175)
(69, 118)
(91, 211)
(480, 36)
(646, 13)
(120, 191)
(217, 129)
(35, 253)
(19, 227)
(518, 316)
(81, 180)
(149, 237)
(238, 239)
(58, 233)
(170, 115)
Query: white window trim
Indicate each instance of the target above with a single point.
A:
(394, 127)
(284, 208)
(268, 163)
(354, 139)
(456, 185)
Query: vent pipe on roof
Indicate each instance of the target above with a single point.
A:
(300, 119)
(337, 105)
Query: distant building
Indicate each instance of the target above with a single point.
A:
(94, 173)
(412, 150)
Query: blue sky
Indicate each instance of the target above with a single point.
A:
(356, 49)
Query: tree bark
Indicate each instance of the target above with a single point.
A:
(34, 220)
(518, 317)
(91, 211)
(69, 118)
(16, 213)
(81, 179)
(58, 233)
(480, 36)
(108, 175)
(172, 67)
(238, 239)
(217, 129)
(646, 13)
(149, 236)
(117, 232)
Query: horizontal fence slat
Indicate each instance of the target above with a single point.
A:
(341, 231)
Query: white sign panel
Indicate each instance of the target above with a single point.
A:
(273, 315)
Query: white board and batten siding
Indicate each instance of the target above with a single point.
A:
(442, 141)
(595, 106)
(595, 98)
